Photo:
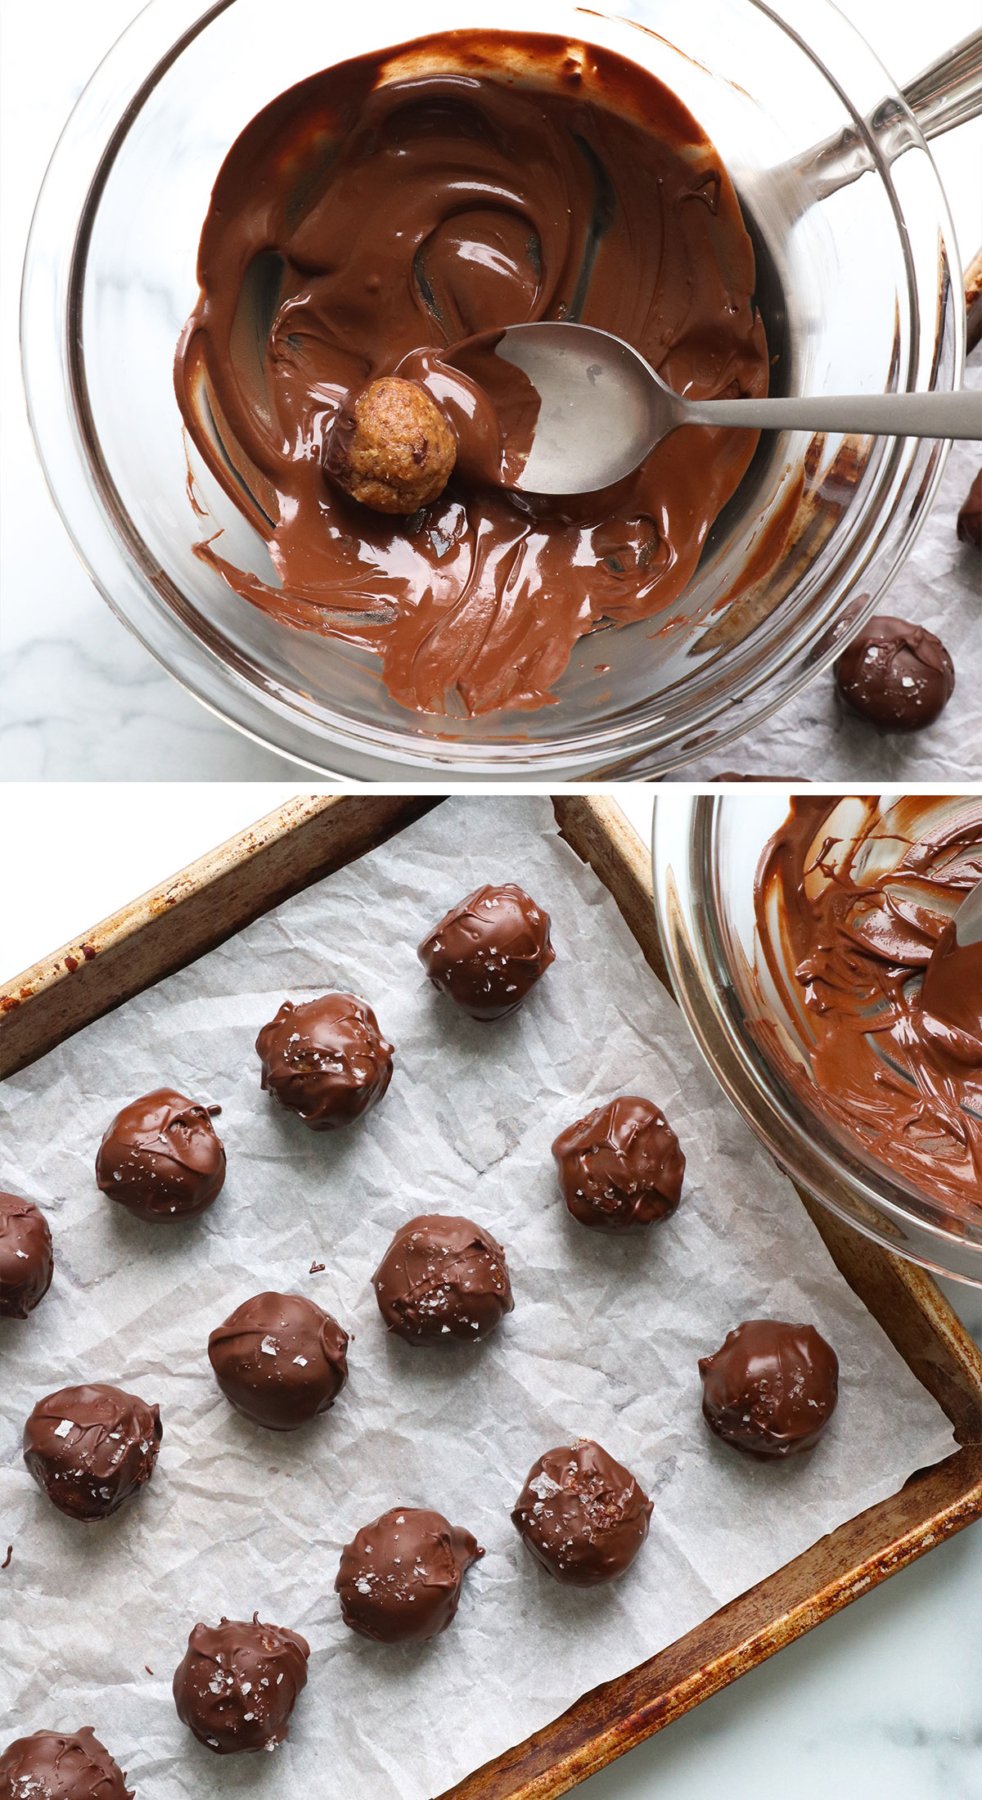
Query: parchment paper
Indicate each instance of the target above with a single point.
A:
(603, 1340)
(939, 586)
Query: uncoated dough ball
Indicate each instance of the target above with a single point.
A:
(391, 448)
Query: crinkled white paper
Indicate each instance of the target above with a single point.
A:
(603, 1340)
(939, 586)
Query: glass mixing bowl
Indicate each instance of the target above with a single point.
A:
(859, 283)
(706, 852)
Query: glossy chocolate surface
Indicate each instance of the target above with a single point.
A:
(325, 1059)
(400, 1578)
(390, 216)
(851, 899)
(238, 1684)
(771, 1388)
(279, 1360)
(161, 1158)
(489, 950)
(57, 1765)
(26, 1257)
(621, 1166)
(443, 1278)
(582, 1515)
(91, 1448)
(898, 676)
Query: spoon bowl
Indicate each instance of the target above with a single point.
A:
(603, 408)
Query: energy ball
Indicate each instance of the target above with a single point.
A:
(26, 1257)
(399, 1581)
(161, 1158)
(489, 951)
(279, 1360)
(897, 675)
(58, 1765)
(392, 447)
(771, 1389)
(325, 1060)
(238, 1684)
(621, 1166)
(443, 1278)
(582, 1515)
(90, 1448)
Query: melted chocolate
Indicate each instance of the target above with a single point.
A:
(582, 1515)
(400, 1579)
(443, 1278)
(771, 1388)
(897, 675)
(489, 951)
(325, 1059)
(279, 1360)
(161, 1158)
(91, 1448)
(851, 898)
(26, 1257)
(621, 1166)
(238, 1684)
(57, 1765)
(389, 217)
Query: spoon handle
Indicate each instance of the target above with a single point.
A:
(883, 415)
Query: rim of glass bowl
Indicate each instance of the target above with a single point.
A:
(693, 936)
(235, 687)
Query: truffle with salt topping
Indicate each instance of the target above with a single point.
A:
(325, 1059)
(400, 1578)
(771, 1388)
(582, 1515)
(280, 1360)
(443, 1278)
(161, 1158)
(91, 1448)
(489, 951)
(61, 1765)
(26, 1257)
(621, 1166)
(238, 1684)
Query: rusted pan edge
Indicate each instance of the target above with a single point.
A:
(612, 1719)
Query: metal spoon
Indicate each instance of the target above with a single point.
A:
(952, 986)
(603, 408)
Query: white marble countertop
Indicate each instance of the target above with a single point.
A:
(82, 700)
(883, 1701)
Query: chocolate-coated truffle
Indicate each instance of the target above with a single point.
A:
(238, 1684)
(771, 1388)
(620, 1166)
(897, 675)
(400, 1579)
(391, 447)
(325, 1059)
(970, 516)
(26, 1258)
(61, 1765)
(161, 1157)
(489, 951)
(90, 1448)
(280, 1360)
(582, 1515)
(442, 1278)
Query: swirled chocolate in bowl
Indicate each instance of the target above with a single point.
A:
(852, 896)
(386, 218)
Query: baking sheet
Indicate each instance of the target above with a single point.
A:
(603, 1340)
(939, 586)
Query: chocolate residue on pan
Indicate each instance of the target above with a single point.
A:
(851, 898)
(388, 217)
